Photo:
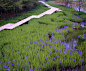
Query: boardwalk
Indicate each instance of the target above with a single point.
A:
(50, 11)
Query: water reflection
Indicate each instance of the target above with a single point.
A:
(82, 24)
(70, 44)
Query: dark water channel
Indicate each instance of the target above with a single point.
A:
(70, 43)
(77, 9)
(82, 24)
(71, 40)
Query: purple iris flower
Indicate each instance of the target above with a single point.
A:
(67, 49)
(55, 52)
(60, 49)
(37, 42)
(79, 60)
(25, 58)
(21, 66)
(42, 46)
(44, 67)
(23, 63)
(46, 57)
(25, 67)
(12, 64)
(51, 58)
(37, 54)
(61, 53)
(6, 66)
(17, 64)
(82, 59)
(64, 59)
(57, 57)
(81, 55)
(79, 36)
(42, 64)
(70, 58)
(13, 59)
(47, 62)
(43, 49)
(7, 69)
(33, 42)
(75, 53)
(2, 61)
(29, 65)
(13, 69)
(0, 68)
(53, 61)
(17, 49)
(16, 69)
(65, 55)
(83, 37)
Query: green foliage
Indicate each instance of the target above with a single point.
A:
(82, 48)
(16, 5)
(34, 45)
(84, 19)
(59, 13)
(85, 67)
(77, 26)
(69, 29)
(75, 19)
(75, 13)
(36, 11)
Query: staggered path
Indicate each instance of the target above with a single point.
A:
(50, 11)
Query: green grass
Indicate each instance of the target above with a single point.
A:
(32, 40)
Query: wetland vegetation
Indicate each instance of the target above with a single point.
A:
(53, 42)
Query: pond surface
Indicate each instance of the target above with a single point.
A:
(77, 9)
(70, 43)
(82, 24)
(71, 40)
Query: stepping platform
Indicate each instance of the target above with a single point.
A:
(50, 11)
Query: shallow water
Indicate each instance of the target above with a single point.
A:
(77, 9)
(70, 43)
(82, 24)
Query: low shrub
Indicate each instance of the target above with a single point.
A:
(75, 12)
(84, 19)
(83, 16)
(77, 26)
(82, 48)
(59, 13)
(75, 19)
(69, 29)
(65, 32)
(67, 13)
